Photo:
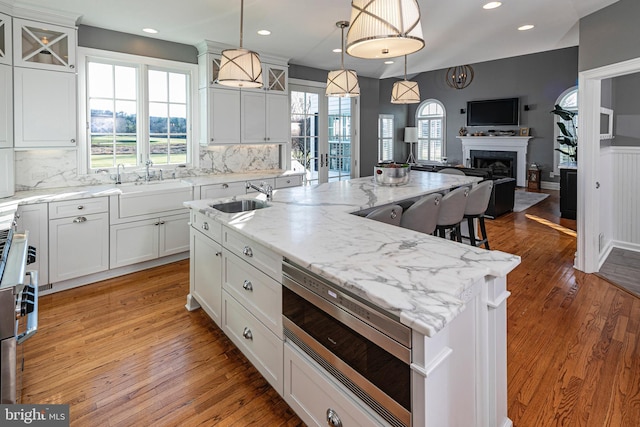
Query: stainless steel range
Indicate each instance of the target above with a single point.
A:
(18, 309)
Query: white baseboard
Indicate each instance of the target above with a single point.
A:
(548, 185)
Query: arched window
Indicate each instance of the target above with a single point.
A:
(569, 101)
(430, 121)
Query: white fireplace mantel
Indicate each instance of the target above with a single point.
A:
(517, 144)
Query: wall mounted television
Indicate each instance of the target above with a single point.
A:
(493, 112)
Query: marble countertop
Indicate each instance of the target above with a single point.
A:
(420, 278)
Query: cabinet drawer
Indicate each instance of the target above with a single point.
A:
(218, 191)
(288, 181)
(254, 253)
(83, 207)
(259, 293)
(311, 394)
(255, 340)
(206, 226)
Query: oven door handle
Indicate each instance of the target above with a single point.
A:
(32, 318)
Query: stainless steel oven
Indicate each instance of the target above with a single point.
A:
(18, 310)
(366, 349)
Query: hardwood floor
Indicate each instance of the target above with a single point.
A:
(125, 352)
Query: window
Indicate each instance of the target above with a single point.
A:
(137, 109)
(385, 137)
(569, 101)
(430, 119)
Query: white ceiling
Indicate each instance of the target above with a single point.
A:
(455, 31)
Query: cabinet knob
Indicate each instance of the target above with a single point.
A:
(211, 139)
(218, 253)
(157, 223)
(247, 334)
(333, 420)
(247, 286)
(205, 226)
(80, 219)
(73, 141)
(247, 251)
(80, 207)
(72, 66)
(225, 185)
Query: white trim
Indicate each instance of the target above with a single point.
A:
(84, 54)
(308, 83)
(589, 97)
(556, 131)
(443, 151)
(518, 144)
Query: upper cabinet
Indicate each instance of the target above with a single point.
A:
(5, 39)
(6, 107)
(275, 77)
(44, 46)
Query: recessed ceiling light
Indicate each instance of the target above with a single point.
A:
(338, 50)
(525, 27)
(492, 5)
(150, 30)
(264, 32)
(388, 62)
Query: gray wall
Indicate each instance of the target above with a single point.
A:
(626, 110)
(537, 79)
(610, 35)
(368, 100)
(99, 38)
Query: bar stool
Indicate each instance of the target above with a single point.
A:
(452, 213)
(451, 171)
(477, 203)
(391, 214)
(422, 216)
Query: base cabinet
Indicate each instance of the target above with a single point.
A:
(34, 218)
(206, 273)
(568, 193)
(78, 246)
(316, 399)
(139, 241)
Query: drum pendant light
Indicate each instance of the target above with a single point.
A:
(405, 92)
(343, 83)
(384, 28)
(240, 67)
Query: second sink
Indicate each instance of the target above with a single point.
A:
(239, 206)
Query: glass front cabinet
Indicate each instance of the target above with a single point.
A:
(5, 39)
(44, 46)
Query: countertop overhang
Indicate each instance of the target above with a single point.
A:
(417, 277)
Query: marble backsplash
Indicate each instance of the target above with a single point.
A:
(59, 168)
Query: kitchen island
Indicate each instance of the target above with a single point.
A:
(451, 296)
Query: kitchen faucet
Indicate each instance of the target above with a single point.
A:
(264, 188)
(147, 176)
(118, 177)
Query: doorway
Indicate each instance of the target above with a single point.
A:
(323, 130)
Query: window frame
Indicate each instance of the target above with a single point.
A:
(142, 64)
(557, 156)
(381, 138)
(418, 119)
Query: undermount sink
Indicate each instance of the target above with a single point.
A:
(239, 206)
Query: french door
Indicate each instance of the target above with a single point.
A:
(323, 134)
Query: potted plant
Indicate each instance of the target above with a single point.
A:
(569, 137)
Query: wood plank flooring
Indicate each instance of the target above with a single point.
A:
(125, 352)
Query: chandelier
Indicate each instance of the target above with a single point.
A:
(459, 77)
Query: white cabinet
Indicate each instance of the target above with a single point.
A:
(288, 181)
(314, 397)
(5, 39)
(261, 346)
(6, 106)
(221, 116)
(275, 77)
(44, 46)
(45, 108)
(226, 189)
(205, 278)
(35, 219)
(7, 175)
(78, 238)
(144, 240)
(264, 117)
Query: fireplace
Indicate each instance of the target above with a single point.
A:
(505, 146)
(503, 164)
